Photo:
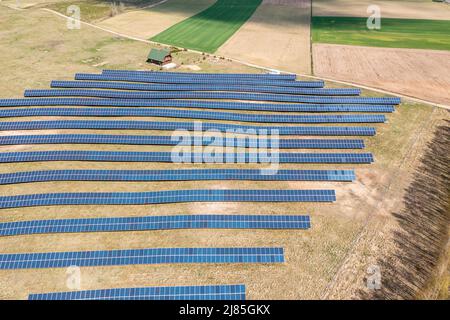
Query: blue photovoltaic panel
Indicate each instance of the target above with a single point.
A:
(203, 87)
(205, 221)
(194, 75)
(173, 157)
(173, 196)
(251, 142)
(248, 106)
(206, 95)
(185, 80)
(140, 256)
(188, 126)
(209, 292)
(175, 113)
(176, 175)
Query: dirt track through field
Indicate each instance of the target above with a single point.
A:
(277, 36)
(418, 9)
(423, 74)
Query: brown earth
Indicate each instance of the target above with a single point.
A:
(423, 74)
(276, 36)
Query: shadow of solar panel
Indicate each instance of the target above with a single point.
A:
(176, 175)
(140, 256)
(174, 157)
(173, 196)
(175, 113)
(155, 223)
(194, 75)
(203, 87)
(207, 95)
(253, 142)
(185, 80)
(209, 292)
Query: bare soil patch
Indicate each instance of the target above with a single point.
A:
(149, 22)
(276, 36)
(423, 74)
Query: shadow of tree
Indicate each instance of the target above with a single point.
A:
(424, 222)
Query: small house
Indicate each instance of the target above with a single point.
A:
(159, 56)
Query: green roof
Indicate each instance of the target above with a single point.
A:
(158, 54)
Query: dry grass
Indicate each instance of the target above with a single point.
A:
(312, 257)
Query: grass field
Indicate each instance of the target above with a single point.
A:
(209, 29)
(394, 33)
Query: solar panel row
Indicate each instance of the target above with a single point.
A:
(176, 175)
(140, 256)
(207, 115)
(172, 196)
(181, 80)
(155, 223)
(251, 142)
(203, 87)
(187, 157)
(188, 126)
(194, 75)
(96, 102)
(210, 292)
(206, 95)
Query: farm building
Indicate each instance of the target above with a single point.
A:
(159, 56)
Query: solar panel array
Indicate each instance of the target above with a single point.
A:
(254, 141)
(176, 175)
(212, 292)
(155, 223)
(124, 156)
(124, 93)
(140, 256)
(172, 196)
(196, 75)
(188, 126)
(186, 80)
(202, 87)
(248, 106)
(206, 95)
(175, 113)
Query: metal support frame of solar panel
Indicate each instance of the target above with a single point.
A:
(250, 142)
(204, 87)
(194, 75)
(176, 175)
(132, 156)
(191, 114)
(160, 197)
(146, 223)
(188, 126)
(207, 292)
(140, 256)
(249, 106)
(181, 80)
(207, 95)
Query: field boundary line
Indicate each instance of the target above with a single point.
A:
(259, 66)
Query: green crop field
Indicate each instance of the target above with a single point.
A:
(394, 33)
(209, 29)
